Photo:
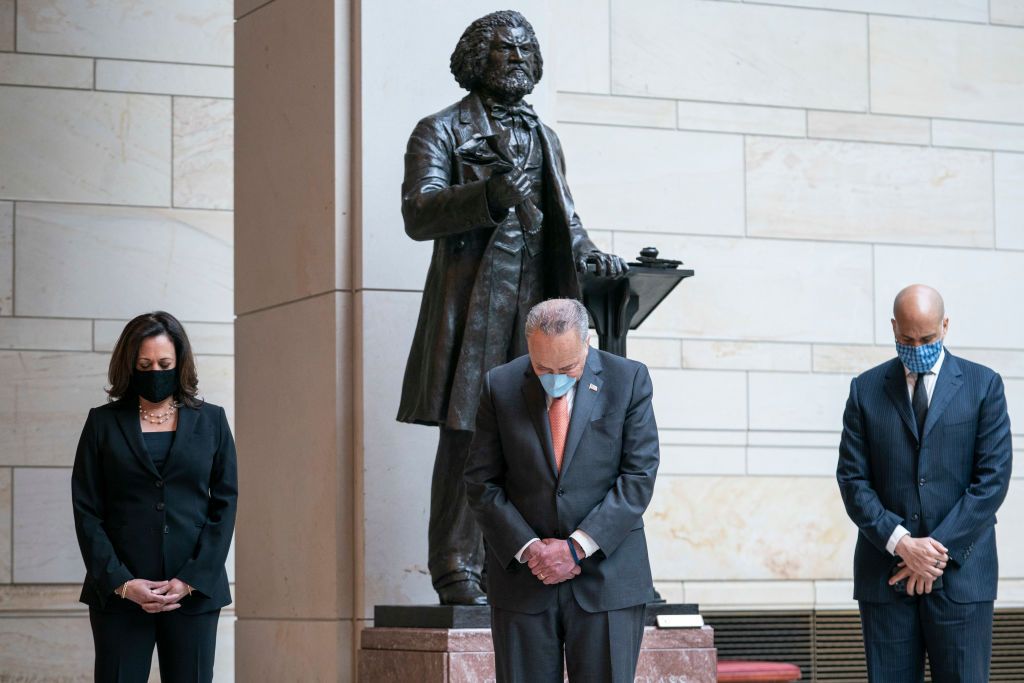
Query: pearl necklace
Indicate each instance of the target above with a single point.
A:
(157, 418)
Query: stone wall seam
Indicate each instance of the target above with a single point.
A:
(252, 11)
(171, 133)
(995, 226)
(154, 94)
(145, 207)
(14, 263)
(866, 14)
(38, 53)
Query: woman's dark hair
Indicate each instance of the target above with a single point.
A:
(126, 351)
(469, 60)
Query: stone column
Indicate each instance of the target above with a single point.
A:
(330, 524)
(296, 547)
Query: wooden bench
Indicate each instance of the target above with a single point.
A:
(762, 672)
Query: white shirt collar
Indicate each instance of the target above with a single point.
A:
(935, 368)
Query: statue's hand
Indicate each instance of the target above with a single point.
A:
(604, 265)
(505, 190)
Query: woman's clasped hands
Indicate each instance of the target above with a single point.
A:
(155, 596)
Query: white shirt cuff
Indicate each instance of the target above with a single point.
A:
(585, 541)
(897, 534)
(519, 555)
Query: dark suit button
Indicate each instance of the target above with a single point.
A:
(167, 529)
(159, 506)
(561, 492)
(914, 517)
(159, 483)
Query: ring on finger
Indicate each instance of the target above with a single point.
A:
(937, 563)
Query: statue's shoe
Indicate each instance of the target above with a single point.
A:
(462, 593)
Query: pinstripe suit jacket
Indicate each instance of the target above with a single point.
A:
(947, 483)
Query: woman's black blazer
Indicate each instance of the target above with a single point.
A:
(134, 522)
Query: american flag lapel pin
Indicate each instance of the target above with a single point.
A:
(593, 387)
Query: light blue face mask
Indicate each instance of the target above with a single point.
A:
(919, 358)
(557, 385)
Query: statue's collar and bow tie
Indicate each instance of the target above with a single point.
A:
(507, 113)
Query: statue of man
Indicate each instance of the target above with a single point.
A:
(485, 180)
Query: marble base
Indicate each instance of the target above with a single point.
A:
(432, 616)
(400, 655)
(479, 616)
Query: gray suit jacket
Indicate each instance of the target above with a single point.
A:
(605, 484)
(947, 483)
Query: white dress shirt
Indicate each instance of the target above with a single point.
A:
(580, 536)
(929, 387)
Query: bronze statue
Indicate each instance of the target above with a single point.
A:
(485, 180)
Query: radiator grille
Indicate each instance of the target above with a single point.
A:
(1008, 645)
(764, 636)
(827, 645)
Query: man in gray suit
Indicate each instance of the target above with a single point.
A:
(560, 471)
(924, 463)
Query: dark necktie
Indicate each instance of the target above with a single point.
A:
(920, 403)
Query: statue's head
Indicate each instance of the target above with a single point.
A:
(498, 54)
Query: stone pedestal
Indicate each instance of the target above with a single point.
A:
(401, 655)
(479, 616)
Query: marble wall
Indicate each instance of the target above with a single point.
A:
(116, 198)
(812, 157)
(807, 158)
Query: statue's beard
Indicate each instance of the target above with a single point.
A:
(511, 85)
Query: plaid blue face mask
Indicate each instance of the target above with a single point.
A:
(919, 358)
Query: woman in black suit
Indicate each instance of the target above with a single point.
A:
(154, 489)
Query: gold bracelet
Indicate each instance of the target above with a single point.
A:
(123, 590)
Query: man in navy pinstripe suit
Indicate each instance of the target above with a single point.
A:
(924, 463)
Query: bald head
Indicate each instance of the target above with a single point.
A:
(919, 316)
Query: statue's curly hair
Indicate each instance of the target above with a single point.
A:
(469, 60)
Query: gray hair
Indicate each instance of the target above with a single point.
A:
(557, 316)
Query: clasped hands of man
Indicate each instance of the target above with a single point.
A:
(156, 596)
(550, 560)
(923, 561)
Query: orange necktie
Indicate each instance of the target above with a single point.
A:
(558, 415)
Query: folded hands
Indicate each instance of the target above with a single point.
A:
(156, 596)
(923, 560)
(551, 561)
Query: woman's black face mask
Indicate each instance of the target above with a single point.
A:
(154, 385)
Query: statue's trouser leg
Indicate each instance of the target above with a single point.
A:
(456, 549)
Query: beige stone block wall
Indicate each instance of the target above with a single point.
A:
(774, 147)
(946, 70)
(882, 146)
(115, 198)
(620, 176)
(727, 52)
(806, 157)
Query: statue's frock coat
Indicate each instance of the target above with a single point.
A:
(449, 157)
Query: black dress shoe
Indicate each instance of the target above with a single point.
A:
(466, 592)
